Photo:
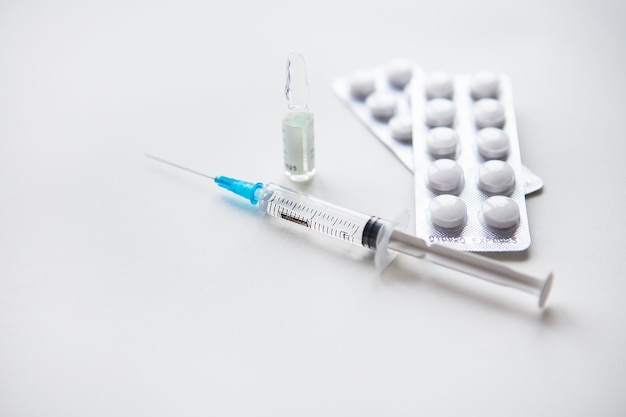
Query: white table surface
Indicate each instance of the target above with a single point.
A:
(129, 288)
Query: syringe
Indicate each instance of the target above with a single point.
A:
(383, 236)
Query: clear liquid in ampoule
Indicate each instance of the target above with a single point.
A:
(298, 134)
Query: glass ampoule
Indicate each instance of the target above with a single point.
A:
(298, 136)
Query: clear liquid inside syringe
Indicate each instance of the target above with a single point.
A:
(318, 215)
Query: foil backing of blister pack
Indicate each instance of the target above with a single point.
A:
(474, 236)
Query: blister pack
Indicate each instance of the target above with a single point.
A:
(469, 188)
(469, 180)
(380, 98)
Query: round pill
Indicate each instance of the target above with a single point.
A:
(399, 72)
(447, 212)
(442, 142)
(440, 112)
(500, 213)
(484, 84)
(496, 177)
(492, 143)
(362, 84)
(489, 112)
(382, 105)
(439, 84)
(402, 127)
(445, 176)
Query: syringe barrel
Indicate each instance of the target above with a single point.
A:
(319, 215)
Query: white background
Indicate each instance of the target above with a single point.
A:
(131, 288)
